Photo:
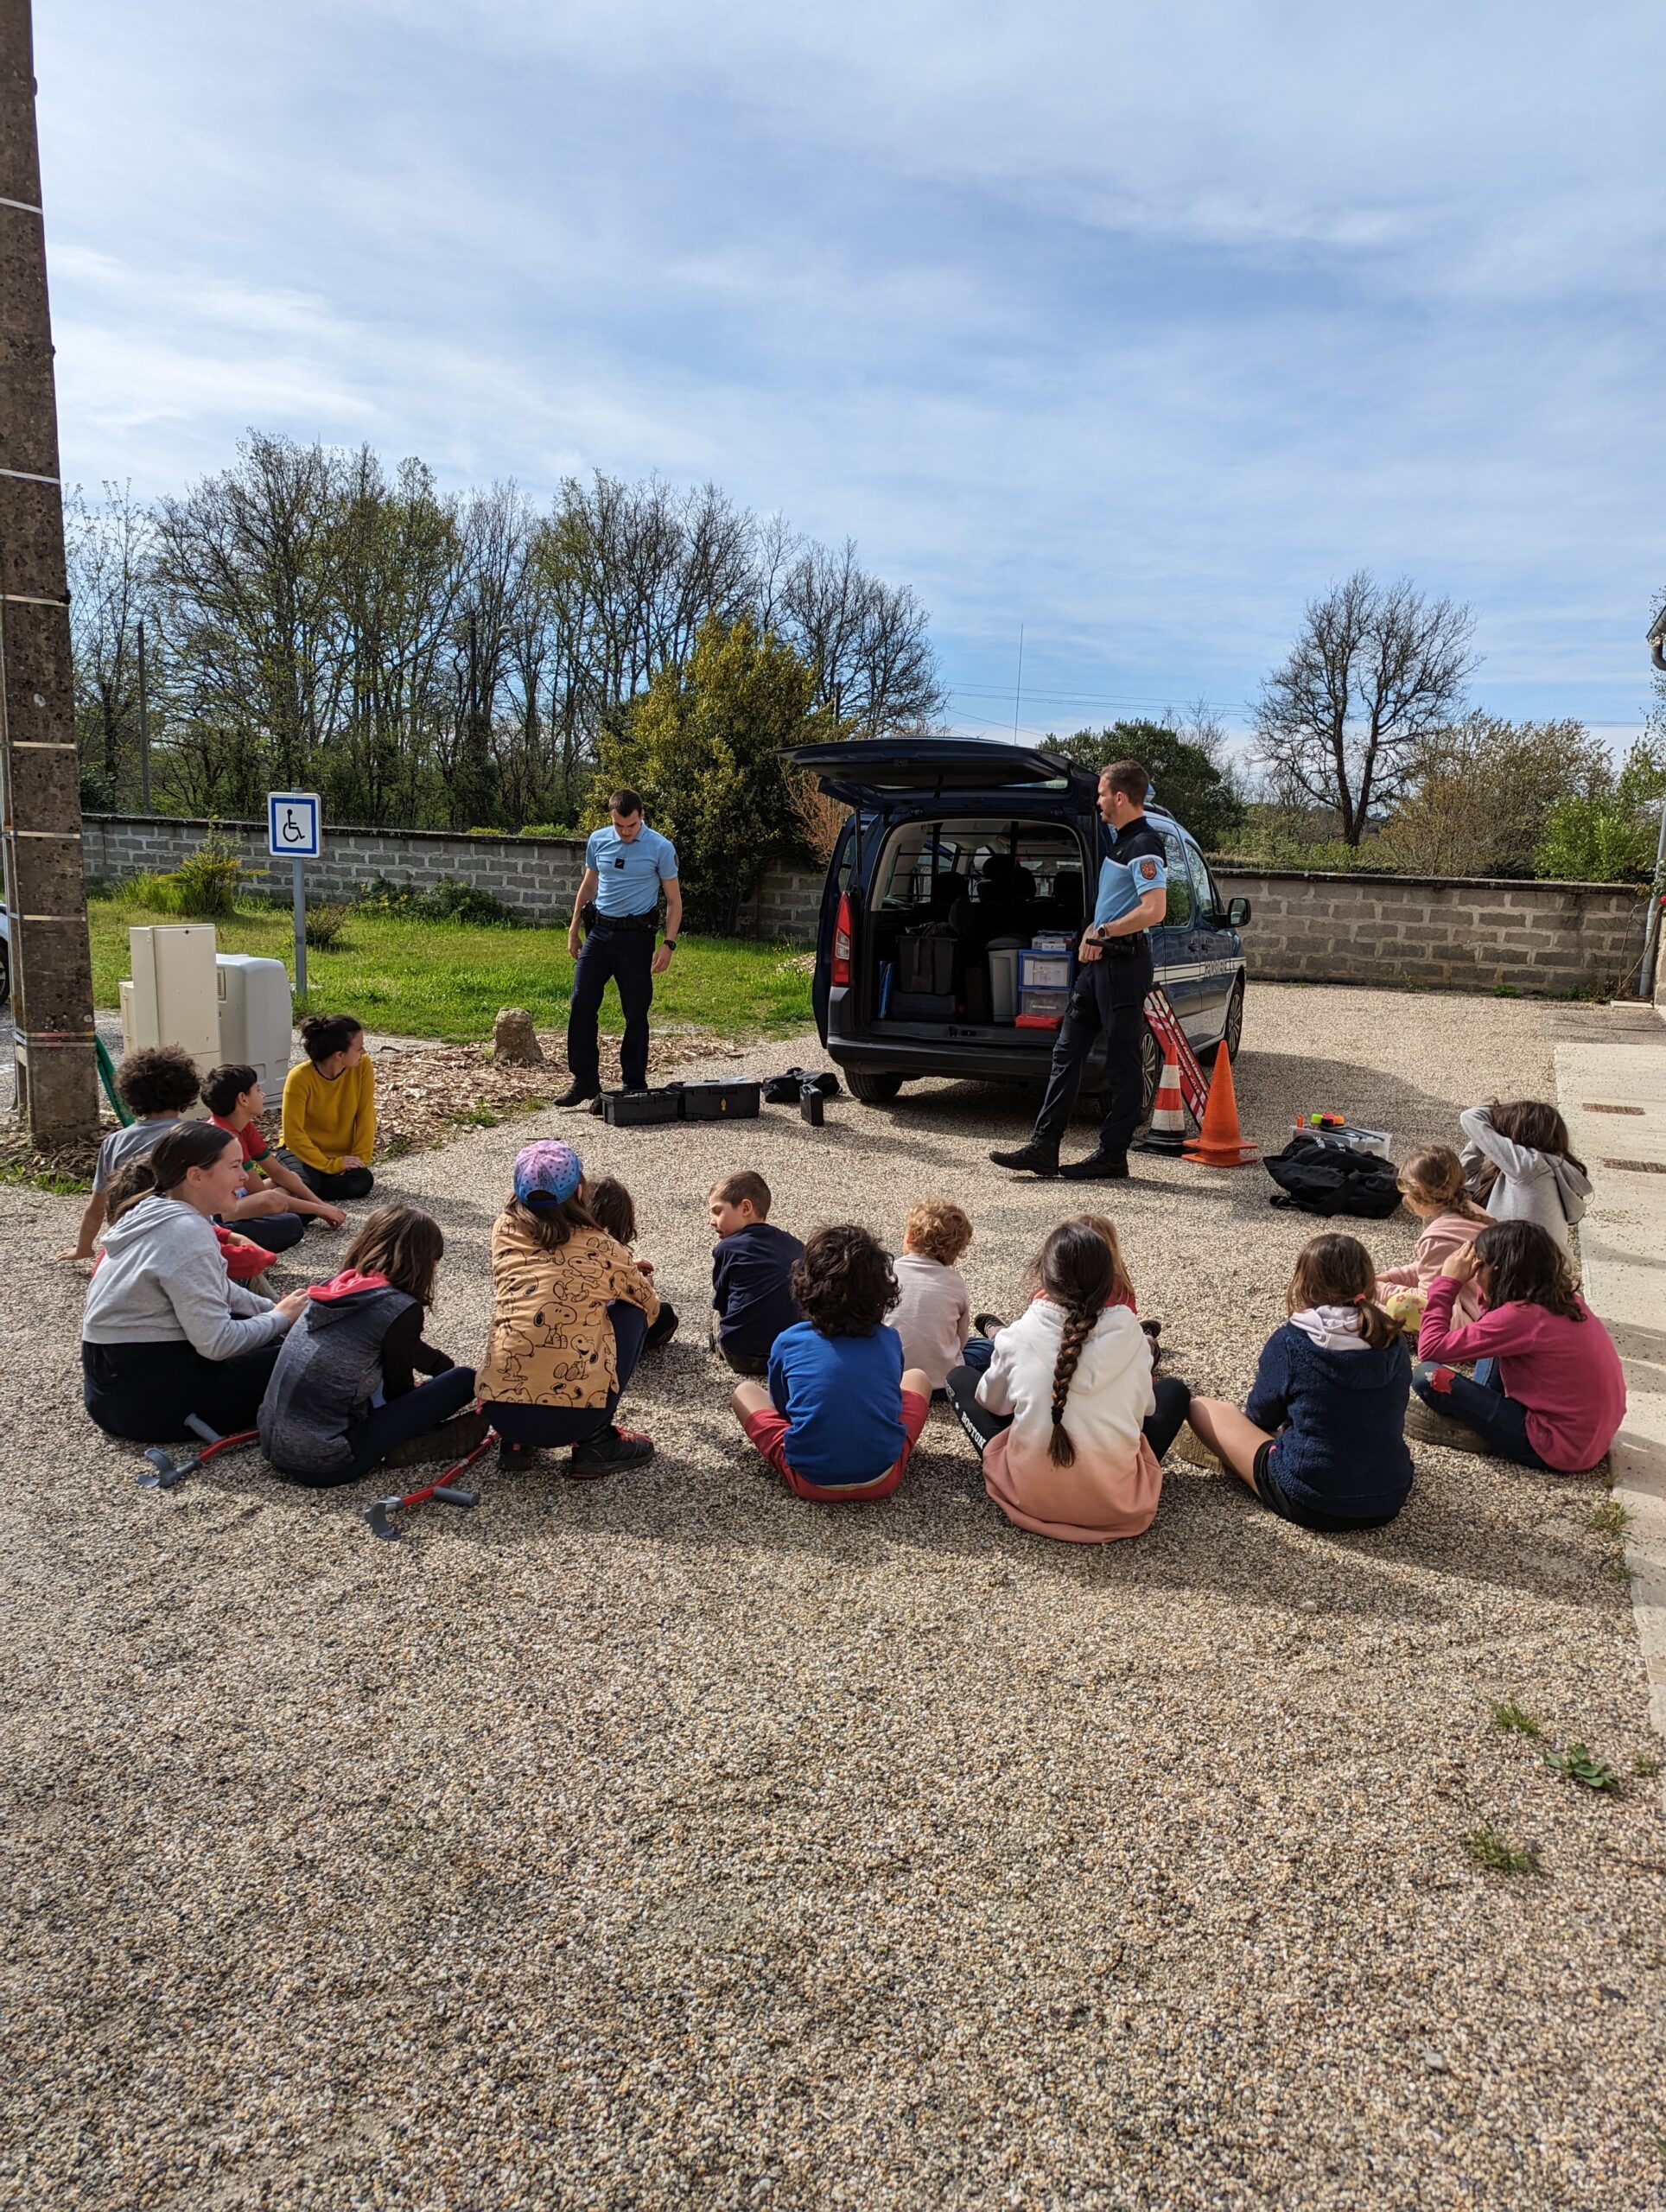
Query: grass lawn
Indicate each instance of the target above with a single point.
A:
(420, 978)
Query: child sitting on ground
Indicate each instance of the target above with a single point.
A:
(1554, 1392)
(571, 1312)
(275, 1208)
(979, 1348)
(1068, 1422)
(842, 1414)
(243, 1261)
(750, 1273)
(344, 1393)
(157, 1084)
(1320, 1440)
(329, 1110)
(933, 1312)
(1432, 1184)
(1522, 1166)
(614, 1210)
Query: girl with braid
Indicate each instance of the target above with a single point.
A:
(1068, 1421)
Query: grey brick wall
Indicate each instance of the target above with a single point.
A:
(1464, 935)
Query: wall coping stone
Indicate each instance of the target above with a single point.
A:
(337, 830)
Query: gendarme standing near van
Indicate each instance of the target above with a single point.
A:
(625, 865)
(1110, 992)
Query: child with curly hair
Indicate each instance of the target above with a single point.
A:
(1070, 1425)
(840, 1414)
(933, 1312)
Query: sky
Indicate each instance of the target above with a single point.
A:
(1133, 328)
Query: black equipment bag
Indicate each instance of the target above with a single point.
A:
(721, 1102)
(1332, 1178)
(921, 1006)
(926, 962)
(635, 1110)
(787, 1090)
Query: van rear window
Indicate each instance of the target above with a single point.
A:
(931, 866)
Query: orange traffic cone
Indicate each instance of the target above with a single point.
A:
(1167, 1130)
(1220, 1143)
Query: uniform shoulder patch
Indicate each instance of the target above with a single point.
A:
(1148, 870)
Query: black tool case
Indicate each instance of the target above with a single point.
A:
(721, 1102)
(636, 1110)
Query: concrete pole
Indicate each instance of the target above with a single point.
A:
(51, 962)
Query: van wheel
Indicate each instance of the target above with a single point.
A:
(871, 1088)
(1232, 1035)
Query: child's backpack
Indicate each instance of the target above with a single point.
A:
(1332, 1178)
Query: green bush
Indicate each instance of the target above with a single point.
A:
(548, 829)
(447, 901)
(324, 927)
(203, 888)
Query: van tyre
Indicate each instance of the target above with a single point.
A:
(1232, 1034)
(872, 1088)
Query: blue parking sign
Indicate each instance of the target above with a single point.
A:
(294, 823)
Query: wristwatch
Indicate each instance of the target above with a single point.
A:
(670, 944)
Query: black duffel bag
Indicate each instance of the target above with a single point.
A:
(1332, 1179)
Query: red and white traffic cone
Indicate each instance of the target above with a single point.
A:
(1167, 1130)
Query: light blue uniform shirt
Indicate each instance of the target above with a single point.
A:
(628, 876)
(1136, 865)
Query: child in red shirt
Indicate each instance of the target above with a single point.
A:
(235, 1102)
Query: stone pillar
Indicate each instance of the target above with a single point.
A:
(51, 962)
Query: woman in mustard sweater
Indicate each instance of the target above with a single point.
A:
(329, 1108)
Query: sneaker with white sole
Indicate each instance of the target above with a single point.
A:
(1425, 1425)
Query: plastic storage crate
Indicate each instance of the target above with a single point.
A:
(1045, 971)
(1049, 1004)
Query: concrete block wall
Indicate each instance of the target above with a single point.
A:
(1461, 934)
(1456, 934)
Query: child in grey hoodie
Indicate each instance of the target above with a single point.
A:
(1522, 1166)
(343, 1393)
(166, 1332)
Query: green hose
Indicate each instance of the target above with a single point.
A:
(107, 1077)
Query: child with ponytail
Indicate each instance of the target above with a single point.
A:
(1067, 1420)
(1432, 1183)
(1321, 1438)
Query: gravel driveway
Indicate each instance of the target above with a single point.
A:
(671, 1841)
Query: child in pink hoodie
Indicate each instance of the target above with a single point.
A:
(1556, 1392)
(1432, 1183)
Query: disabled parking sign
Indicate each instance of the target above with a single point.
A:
(294, 823)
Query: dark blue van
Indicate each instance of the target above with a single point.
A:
(986, 844)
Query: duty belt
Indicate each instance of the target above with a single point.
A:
(647, 924)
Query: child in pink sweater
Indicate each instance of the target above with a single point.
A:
(1432, 1183)
(1556, 1392)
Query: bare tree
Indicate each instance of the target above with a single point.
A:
(1375, 670)
(109, 552)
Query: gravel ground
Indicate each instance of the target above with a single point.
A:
(670, 1841)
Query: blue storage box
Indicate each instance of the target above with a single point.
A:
(1045, 972)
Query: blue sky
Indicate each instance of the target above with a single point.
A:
(1135, 326)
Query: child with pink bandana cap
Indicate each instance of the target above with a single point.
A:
(570, 1312)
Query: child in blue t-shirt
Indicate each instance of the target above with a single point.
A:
(840, 1414)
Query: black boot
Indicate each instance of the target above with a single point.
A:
(1031, 1159)
(1099, 1167)
(576, 1095)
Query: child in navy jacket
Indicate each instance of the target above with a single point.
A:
(1321, 1437)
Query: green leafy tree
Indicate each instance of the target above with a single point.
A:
(704, 746)
(1484, 789)
(1611, 836)
(1187, 775)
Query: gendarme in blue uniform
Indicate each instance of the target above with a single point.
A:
(1136, 865)
(628, 876)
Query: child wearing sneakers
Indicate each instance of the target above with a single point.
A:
(157, 1085)
(570, 1312)
(750, 1273)
(1432, 1184)
(842, 1414)
(1320, 1439)
(1549, 1391)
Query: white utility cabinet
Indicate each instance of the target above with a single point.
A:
(256, 1015)
(174, 994)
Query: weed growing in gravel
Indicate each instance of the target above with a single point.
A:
(1486, 1847)
(1646, 1764)
(1579, 1763)
(1514, 1721)
(58, 1187)
(1608, 1519)
(479, 1115)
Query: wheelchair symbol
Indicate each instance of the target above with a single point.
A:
(292, 833)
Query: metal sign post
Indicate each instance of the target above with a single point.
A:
(294, 829)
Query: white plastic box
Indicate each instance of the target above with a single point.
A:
(175, 998)
(256, 1015)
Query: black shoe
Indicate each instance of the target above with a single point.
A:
(988, 1324)
(1098, 1167)
(1029, 1160)
(576, 1095)
(610, 1448)
(515, 1455)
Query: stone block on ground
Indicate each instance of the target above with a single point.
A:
(512, 1039)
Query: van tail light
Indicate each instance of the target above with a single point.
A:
(841, 969)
